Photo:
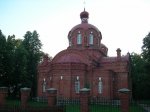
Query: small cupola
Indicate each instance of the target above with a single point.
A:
(118, 53)
(84, 16)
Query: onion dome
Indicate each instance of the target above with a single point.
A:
(84, 16)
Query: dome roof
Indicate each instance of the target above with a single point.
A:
(84, 22)
(85, 35)
(70, 56)
(85, 26)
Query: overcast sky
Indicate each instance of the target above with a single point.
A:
(123, 23)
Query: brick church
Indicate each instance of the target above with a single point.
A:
(84, 64)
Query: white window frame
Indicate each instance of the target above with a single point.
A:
(91, 39)
(79, 38)
(100, 86)
(77, 86)
(44, 86)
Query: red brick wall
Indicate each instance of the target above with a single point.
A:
(114, 76)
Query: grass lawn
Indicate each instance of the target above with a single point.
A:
(17, 103)
(93, 108)
(76, 107)
(72, 108)
(103, 108)
(135, 108)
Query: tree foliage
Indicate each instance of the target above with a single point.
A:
(18, 61)
(146, 47)
(146, 51)
(9, 60)
(141, 72)
(2, 58)
(32, 45)
(139, 77)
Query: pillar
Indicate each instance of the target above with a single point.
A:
(3, 94)
(124, 99)
(52, 96)
(84, 100)
(25, 93)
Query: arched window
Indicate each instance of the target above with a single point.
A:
(79, 38)
(77, 85)
(91, 37)
(100, 86)
(44, 85)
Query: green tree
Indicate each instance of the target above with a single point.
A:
(2, 56)
(146, 57)
(140, 71)
(20, 72)
(14, 64)
(9, 60)
(146, 51)
(139, 77)
(32, 45)
(18, 62)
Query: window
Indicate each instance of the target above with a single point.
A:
(91, 39)
(77, 86)
(44, 85)
(79, 38)
(100, 86)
